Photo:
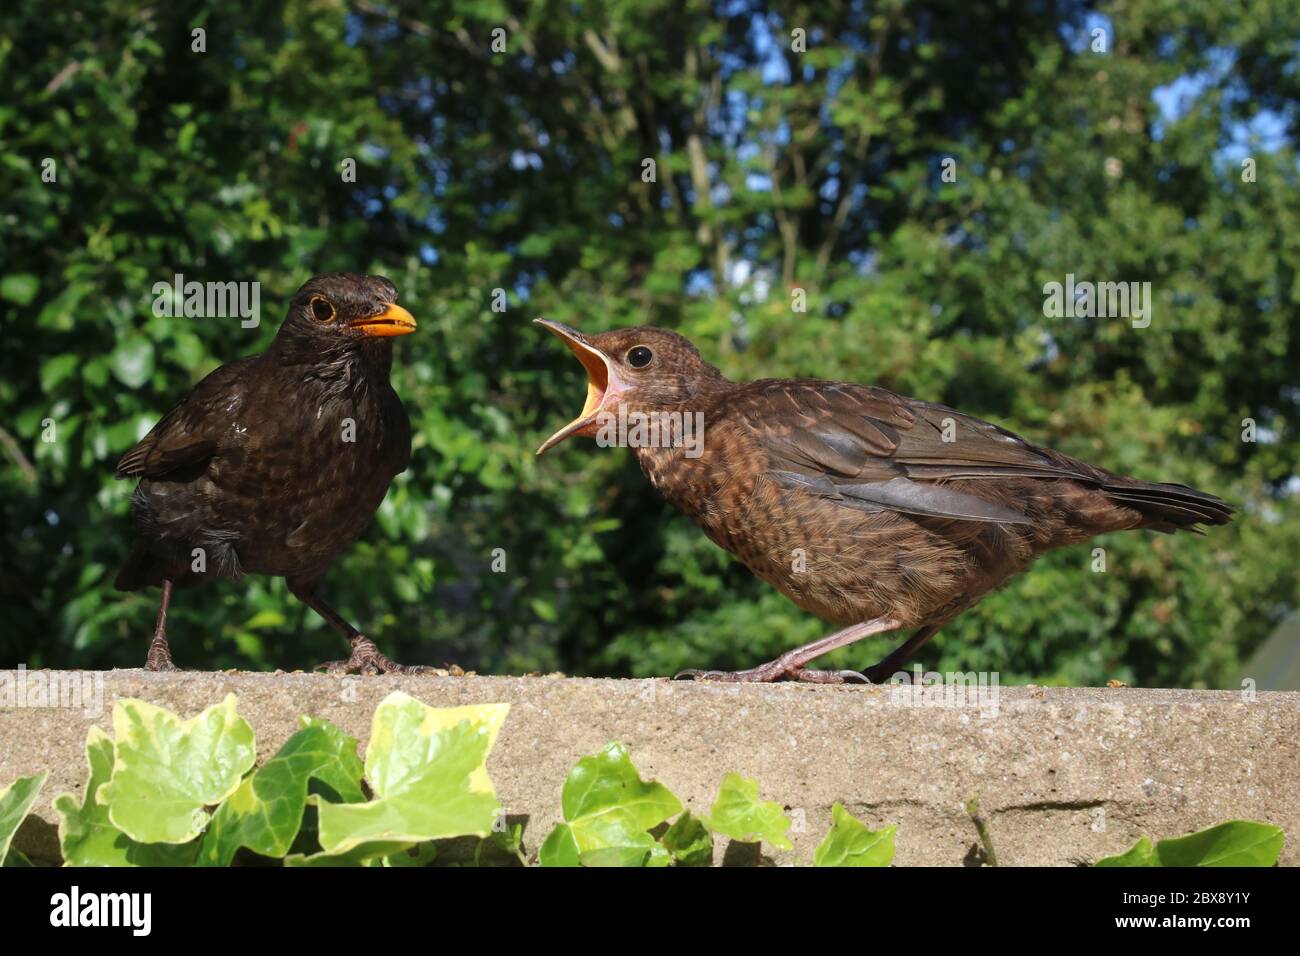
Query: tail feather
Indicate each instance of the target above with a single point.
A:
(1170, 507)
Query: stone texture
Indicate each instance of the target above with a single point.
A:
(1064, 775)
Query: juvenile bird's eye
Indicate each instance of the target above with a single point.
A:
(321, 309)
(639, 357)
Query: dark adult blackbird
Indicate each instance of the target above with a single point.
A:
(275, 463)
(873, 511)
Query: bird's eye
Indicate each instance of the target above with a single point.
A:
(321, 309)
(639, 357)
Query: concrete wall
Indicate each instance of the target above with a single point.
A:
(1065, 775)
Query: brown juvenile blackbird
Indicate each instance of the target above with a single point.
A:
(871, 510)
(275, 463)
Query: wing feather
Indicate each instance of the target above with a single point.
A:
(870, 449)
(188, 436)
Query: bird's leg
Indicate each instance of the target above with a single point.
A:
(366, 657)
(881, 672)
(159, 657)
(792, 663)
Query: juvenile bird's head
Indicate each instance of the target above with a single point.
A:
(343, 311)
(638, 369)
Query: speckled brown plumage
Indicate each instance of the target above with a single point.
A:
(275, 463)
(869, 509)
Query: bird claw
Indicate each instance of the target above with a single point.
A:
(831, 677)
(769, 673)
(696, 674)
(367, 659)
(763, 674)
(159, 658)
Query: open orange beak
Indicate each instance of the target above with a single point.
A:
(394, 320)
(603, 385)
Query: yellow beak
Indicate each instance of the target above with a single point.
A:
(600, 375)
(392, 321)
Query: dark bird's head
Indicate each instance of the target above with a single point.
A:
(640, 369)
(343, 312)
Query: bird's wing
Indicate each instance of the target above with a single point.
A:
(186, 438)
(870, 449)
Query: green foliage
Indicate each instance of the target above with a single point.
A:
(741, 815)
(166, 770)
(87, 837)
(427, 770)
(265, 812)
(1235, 843)
(425, 775)
(521, 171)
(15, 800)
(608, 813)
(425, 783)
(689, 841)
(850, 843)
(1141, 853)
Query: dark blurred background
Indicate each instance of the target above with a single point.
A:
(775, 170)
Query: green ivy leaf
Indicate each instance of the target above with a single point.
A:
(422, 854)
(850, 843)
(364, 854)
(167, 770)
(88, 838)
(740, 815)
(1141, 853)
(15, 800)
(608, 812)
(427, 769)
(625, 856)
(1235, 843)
(265, 812)
(689, 841)
(560, 848)
(509, 840)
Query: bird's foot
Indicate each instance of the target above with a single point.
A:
(775, 671)
(368, 659)
(831, 677)
(159, 657)
(793, 665)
